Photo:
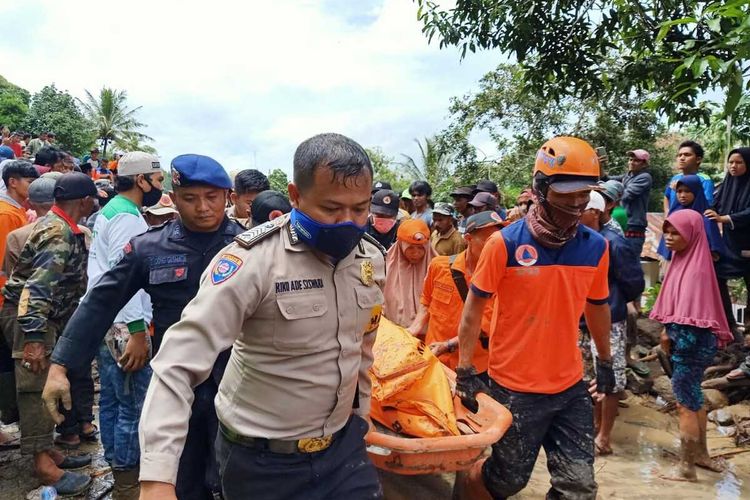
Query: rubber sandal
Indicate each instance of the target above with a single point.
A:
(72, 484)
(90, 436)
(75, 462)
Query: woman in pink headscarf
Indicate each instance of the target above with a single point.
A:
(406, 266)
(690, 307)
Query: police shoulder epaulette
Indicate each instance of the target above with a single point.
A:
(256, 234)
(371, 239)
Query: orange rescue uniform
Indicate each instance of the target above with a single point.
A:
(540, 295)
(445, 306)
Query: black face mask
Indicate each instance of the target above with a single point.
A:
(152, 197)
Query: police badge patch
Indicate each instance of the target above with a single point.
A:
(225, 268)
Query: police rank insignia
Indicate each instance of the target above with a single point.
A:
(366, 273)
(225, 268)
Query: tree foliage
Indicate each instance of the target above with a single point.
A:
(52, 110)
(518, 122)
(386, 169)
(14, 104)
(675, 51)
(278, 180)
(434, 165)
(113, 120)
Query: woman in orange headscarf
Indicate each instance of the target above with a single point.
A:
(406, 267)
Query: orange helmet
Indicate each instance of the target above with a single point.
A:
(569, 163)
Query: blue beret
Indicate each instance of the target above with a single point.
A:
(192, 169)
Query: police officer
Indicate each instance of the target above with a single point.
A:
(166, 262)
(299, 298)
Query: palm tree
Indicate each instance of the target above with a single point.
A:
(112, 119)
(434, 166)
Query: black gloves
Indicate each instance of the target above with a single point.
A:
(605, 377)
(468, 384)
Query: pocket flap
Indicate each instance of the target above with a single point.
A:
(167, 274)
(302, 306)
(368, 297)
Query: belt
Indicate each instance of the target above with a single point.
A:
(286, 447)
(635, 234)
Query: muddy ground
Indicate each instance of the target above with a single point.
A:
(641, 436)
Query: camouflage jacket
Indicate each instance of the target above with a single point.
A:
(50, 276)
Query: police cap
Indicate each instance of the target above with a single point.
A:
(74, 186)
(191, 169)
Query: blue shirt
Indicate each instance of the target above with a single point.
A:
(708, 188)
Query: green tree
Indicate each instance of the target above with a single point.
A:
(675, 50)
(434, 165)
(14, 104)
(56, 111)
(113, 120)
(132, 142)
(278, 180)
(385, 169)
(518, 122)
(723, 133)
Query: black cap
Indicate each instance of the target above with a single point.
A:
(268, 202)
(74, 186)
(463, 191)
(378, 185)
(487, 186)
(385, 202)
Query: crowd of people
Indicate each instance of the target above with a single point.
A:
(232, 325)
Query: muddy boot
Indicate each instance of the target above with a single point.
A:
(126, 485)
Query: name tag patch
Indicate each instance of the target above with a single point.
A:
(296, 285)
(225, 268)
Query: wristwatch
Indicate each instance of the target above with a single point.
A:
(452, 346)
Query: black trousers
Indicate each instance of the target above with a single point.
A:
(198, 473)
(343, 471)
(82, 395)
(563, 424)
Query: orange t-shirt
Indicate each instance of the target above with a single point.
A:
(445, 306)
(540, 295)
(11, 218)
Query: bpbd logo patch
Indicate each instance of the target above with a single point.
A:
(225, 268)
(526, 255)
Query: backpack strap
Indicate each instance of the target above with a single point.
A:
(459, 279)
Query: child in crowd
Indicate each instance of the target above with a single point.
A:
(689, 195)
(689, 305)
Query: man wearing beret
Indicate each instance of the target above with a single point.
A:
(40, 296)
(167, 262)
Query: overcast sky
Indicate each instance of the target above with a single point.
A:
(245, 82)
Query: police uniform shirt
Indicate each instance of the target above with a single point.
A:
(301, 332)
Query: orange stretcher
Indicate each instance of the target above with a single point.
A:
(412, 456)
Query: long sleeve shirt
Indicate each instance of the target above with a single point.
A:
(301, 331)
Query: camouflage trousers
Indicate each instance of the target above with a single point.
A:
(617, 342)
(35, 422)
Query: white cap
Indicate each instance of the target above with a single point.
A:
(596, 202)
(138, 162)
